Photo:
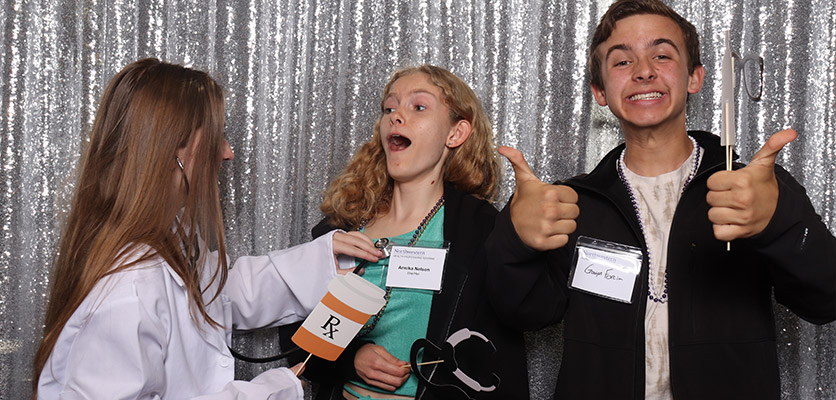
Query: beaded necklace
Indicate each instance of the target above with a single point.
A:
(368, 327)
(652, 294)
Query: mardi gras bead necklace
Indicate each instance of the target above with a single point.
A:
(368, 327)
(652, 292)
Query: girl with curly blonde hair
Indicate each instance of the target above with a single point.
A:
(364, 189)
(427, 176)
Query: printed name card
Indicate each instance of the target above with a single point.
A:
(416, 267)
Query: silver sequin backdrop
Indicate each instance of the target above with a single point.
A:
(303, 80)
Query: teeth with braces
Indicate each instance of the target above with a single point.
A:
(646, 96)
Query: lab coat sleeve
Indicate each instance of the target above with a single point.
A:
(274, 384)
(281, 287)
(116, 353)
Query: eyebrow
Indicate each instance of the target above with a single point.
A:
(654, 43)
(417, 91)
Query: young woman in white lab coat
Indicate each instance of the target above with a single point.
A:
(142, 302)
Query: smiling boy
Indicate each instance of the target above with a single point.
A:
(696, 321)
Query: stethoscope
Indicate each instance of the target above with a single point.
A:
(382, 244)
(447, 353)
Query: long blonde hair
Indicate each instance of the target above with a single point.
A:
(364, 189)
(125, 197)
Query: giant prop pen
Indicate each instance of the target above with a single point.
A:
(727, 139)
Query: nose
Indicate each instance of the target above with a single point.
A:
(226, 152)
(643, 70)
(396, 118)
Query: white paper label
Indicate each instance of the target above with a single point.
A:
(416, 267)
(330, 326)
(605, 273)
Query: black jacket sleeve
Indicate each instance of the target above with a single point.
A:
(802, 252)
(527, 288)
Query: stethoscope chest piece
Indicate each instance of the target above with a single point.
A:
(384, 245)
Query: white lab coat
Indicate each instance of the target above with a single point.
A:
(133, 336)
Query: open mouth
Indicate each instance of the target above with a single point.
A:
(646, 96)
(398, 142)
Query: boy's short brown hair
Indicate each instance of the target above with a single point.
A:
(626, 8)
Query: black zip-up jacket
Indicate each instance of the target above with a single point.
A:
(461, 303)
(721, 324)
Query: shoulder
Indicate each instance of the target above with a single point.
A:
(128, 295)
(143, 266)
(466, 205)
(145, 281)
(466, 216)
(122, 324)
(324, 226)
(601, 176)
(705, 139)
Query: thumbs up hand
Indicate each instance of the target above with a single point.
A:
(743, 201)
(543, 215)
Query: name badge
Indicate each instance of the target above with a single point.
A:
(605, 268)
(416, 267)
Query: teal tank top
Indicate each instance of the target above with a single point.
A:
(407, 314)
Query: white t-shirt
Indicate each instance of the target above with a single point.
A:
(657, 198)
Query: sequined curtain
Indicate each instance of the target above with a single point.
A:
(303, 80)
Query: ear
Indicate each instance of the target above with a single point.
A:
(599, 93)
(696, 79)
(185, 152)
(459, 133)
(182, 153)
